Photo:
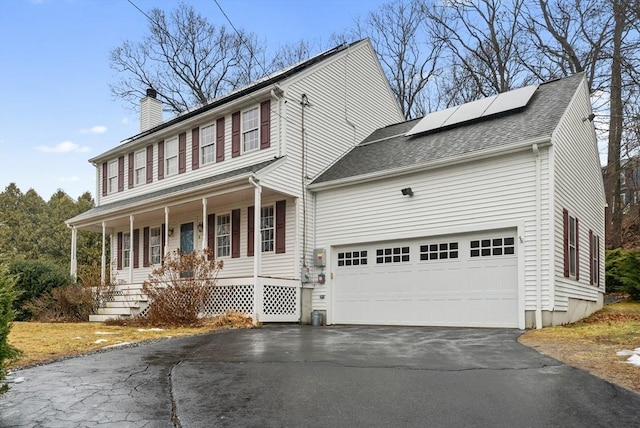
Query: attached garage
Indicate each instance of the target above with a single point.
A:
(455, 280)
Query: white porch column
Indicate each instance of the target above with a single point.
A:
(130, 249)
(103, 258)
(257, 249)
(74, 261)
(205, 226)
(166, 232)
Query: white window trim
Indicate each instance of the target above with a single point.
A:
(272, 228)
(219, 235)
(151, 245)
(167, 158)
(112, 179)
(243, 131)
(595, 259)
(213, 143)
(137, 167)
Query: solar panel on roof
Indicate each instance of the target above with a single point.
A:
(484, 107)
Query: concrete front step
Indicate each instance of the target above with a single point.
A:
(103, 318)
(114, 311)
(129, 304)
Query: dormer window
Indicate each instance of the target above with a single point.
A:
(112, 184)
(250, 123)
(207, 140)
(171, 157)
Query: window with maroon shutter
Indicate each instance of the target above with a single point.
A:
(220, 140)
(104, 179)
(281, 236)
(150, 164)
(265, 124)
(577, 251)
(136, 248)
(120, 173)
(235, 233)
(250, 229)
(598, 260)
(195, 148)
(235, 134)
(161, 161)
(145, 247)
(211, 235)
(565, 241)
(182, 153)
(119, 252)
(130, 170)
(571, 245)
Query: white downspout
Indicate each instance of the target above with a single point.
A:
(257, 249)
(103, 258)
(536, 153)
(131, 246)
(74, 261)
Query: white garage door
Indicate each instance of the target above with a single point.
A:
(465, 280)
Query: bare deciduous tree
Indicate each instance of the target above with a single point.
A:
(187, 59)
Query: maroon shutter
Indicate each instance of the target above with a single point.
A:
(164, 240)
(250, 214)
(105, 171)
(195, 148)
(235, 234)
(577, 252)
(150, 164)
(265, 124)
(211, 235)
(131, 161)
(220, 140)
(598, 257)
(136, 248)
(182, 153)
(120, 173)
(145, 247)
(591, 257)
(565, 241)
(160, 160)
(119, 254)
(235, 134)
(281, 221)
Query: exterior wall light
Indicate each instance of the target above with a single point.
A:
(407, 191)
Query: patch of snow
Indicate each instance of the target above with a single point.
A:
(625, 353)
(634, 356)
(101, 341)
(116, 345)
(104, 332)
(151, 329)
(15, 380)
(634, 360)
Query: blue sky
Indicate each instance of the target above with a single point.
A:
(56, 110)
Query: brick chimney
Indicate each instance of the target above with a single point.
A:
(150, 111)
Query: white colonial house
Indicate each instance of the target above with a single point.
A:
(232, 176)
(489, 214)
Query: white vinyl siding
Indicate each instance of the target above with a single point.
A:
(207, 144)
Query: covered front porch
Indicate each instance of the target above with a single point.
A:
(259, 246)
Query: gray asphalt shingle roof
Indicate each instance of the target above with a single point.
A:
(388, 148)
(171, 190)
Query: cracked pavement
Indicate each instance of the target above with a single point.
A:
(281, 376)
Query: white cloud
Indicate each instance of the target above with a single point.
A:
(64, 147)
(98, 129)
(125, 120)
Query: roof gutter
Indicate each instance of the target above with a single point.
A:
(439, 163)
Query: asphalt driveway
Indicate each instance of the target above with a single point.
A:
(292, 376)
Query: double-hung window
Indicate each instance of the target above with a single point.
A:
(155, 245)
(207, 141)
(171, 157)
(250, 123)
(112, 184)
(223, 235)
(595, 259)
(573, 234)
(267, 229)
(140, 167)
(126, 249)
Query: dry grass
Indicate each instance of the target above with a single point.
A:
(46, 342)
(591, 344)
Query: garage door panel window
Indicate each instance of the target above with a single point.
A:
(439, 251)
(352, 258)
(392, 255)
(504, 246)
